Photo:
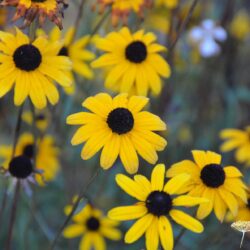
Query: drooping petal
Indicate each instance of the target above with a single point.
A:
(186, 221)
(176, 183)
(152, 235)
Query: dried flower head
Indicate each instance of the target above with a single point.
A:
(42, 9)
(242, 226)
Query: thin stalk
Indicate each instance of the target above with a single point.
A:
(184, 24)
(81, 196)
(15, 139)
(13, 216)
(78, 19)
(179, 236)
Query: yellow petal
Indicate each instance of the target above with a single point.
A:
(158, 177)
(220, 207)
(206, 208)
(138, 228)
(232, 172)
(166, 233)
(230, 200)
(73, 231)
(188, 201)
(152, 235)
(128, 155)
(127, 212)
(131, 187)
(200, 158)
(176, 183)
(186, 221)
(110, 151)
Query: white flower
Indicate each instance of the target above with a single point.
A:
(206, 36)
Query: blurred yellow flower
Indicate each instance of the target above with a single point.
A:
(222, 186)
(93, 227)
(167, 3)
(46, 155)
(136, 64)
(122, 8)
(240, 26)
(119, 127)
(41, 119)
(76, 51)
(239, 140)
(157, 202)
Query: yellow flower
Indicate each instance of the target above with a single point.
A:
(41, 119)
(240, 26)
(238, 140)
(76, 51)
(46, 155)
(156, 205)
(94, 228)
(119, 127)
(30, 68)
(222, 186)
(171, 4)
(30, 9)
(122, 8)
(136, 64)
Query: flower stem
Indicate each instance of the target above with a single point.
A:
(179, 236)
(81, 196)
(13, 216)
(184, 24)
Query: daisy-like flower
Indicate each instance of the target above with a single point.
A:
(121, 128)
(206, 36)
(136, 65)
(94, 227)
(239, 140)
(170, 4)
(156, 204)
(222, 186)
(21, 170)
(122, 8)
(30, 68)
(42, 119)
(30, 9)
(46, 160)
(76, 51)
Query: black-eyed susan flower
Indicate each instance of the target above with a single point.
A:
(119, 127)
(170, 4)
(76, 51)
(30, 69)
(156, 204)
(46, 155)
(121, 9)
(222, 186)
(42, 119)
(21, 170)
(135, 65)
(94, 227)
(238, 140)
(41, 9)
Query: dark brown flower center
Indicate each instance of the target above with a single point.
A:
(21, 167)
(213, 175)
(63, 52)
(27, 57)
(136, 52)
(93, 224)
(120, 120)
(159, 203)
(29, 151)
